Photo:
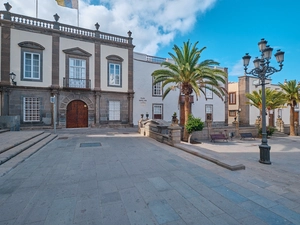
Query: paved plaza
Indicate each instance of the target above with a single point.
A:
(117, 177)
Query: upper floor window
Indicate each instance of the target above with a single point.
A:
(114, 74)
(31, 61)
(209, 112)
(114, 77)
(77, 69)
(77, 73)
(157, 89)
(232, 98)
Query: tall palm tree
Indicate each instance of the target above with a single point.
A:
(291, 97)
(190, 75)
(274, 100)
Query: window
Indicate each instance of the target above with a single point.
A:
(209, 112)
(77, 68)
(31, 65)
(31, 109)
(114, 110)
(114, 76)
(232, 98)
(208, 93)
(157, 89)
(31, 61)
(157, 111)
(77, 73)
(232, 113)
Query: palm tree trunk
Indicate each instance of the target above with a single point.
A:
(186, 115)
(292, 128)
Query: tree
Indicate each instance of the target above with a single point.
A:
(291, 97)
(274, 100)
(190, 75)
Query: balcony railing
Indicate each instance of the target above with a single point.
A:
(77, 83)
(54, 25)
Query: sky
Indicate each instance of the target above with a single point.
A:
(227, 28)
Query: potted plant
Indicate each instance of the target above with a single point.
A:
(270, 130)
(193, 124)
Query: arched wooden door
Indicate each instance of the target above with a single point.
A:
(77, 114)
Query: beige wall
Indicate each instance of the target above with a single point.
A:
(18, 36)
(66, 43)
(233, 87)
(123, 53)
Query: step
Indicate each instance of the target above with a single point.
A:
(12, 139)
(12, 152)
(17, 159)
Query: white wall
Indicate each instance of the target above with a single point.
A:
(143, 98)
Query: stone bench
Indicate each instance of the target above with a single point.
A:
(218, 137)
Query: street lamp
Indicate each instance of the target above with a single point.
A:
(13, 77)
(263, 70)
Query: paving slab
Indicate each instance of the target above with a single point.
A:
(130, 179)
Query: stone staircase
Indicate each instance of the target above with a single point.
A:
(16, 146)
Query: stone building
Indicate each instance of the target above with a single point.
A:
(89, 72)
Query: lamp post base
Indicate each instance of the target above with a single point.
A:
(264, 150)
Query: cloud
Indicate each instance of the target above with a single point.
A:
(153, 23)
(237, 69)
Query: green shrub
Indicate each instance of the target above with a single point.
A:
(270, 130)
(194, 124)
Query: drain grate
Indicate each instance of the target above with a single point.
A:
(62, 138)
(96, 144)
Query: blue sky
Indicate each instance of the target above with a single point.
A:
(228, 28)
(233, 27)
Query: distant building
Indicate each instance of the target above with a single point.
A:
(247, 114)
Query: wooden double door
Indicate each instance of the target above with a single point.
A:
(77, 114)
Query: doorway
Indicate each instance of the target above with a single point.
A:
(77, 114)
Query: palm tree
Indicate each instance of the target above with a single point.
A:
(274, 100)
(291, 97)
(190, 75)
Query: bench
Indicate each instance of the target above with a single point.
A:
(246, 135)
(218, 137)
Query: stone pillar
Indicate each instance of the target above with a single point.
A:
(174, 133)
(236, 125)
(281, 128)
(209, 128)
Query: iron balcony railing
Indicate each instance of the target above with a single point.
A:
(77, 83)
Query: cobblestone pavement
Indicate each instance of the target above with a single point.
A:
(115, 176)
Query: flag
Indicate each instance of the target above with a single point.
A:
(73, 4)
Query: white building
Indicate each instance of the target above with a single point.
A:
(148, 98)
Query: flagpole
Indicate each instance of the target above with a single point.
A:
(36, 8)
(78, 14)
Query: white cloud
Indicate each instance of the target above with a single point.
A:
(237, 69)
(153, 23)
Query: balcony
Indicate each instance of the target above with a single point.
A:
(77, 83)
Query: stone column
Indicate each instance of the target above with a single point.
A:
(236, 125)
(209, 127)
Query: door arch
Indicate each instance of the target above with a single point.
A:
(77, 114)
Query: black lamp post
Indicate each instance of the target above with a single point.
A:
(13, 77)
(262, 70)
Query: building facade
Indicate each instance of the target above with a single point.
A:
(148, 98)
(245, 113)
(89, 72)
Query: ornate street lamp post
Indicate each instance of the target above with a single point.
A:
(262, 70)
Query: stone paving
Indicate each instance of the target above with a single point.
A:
(116, 176)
